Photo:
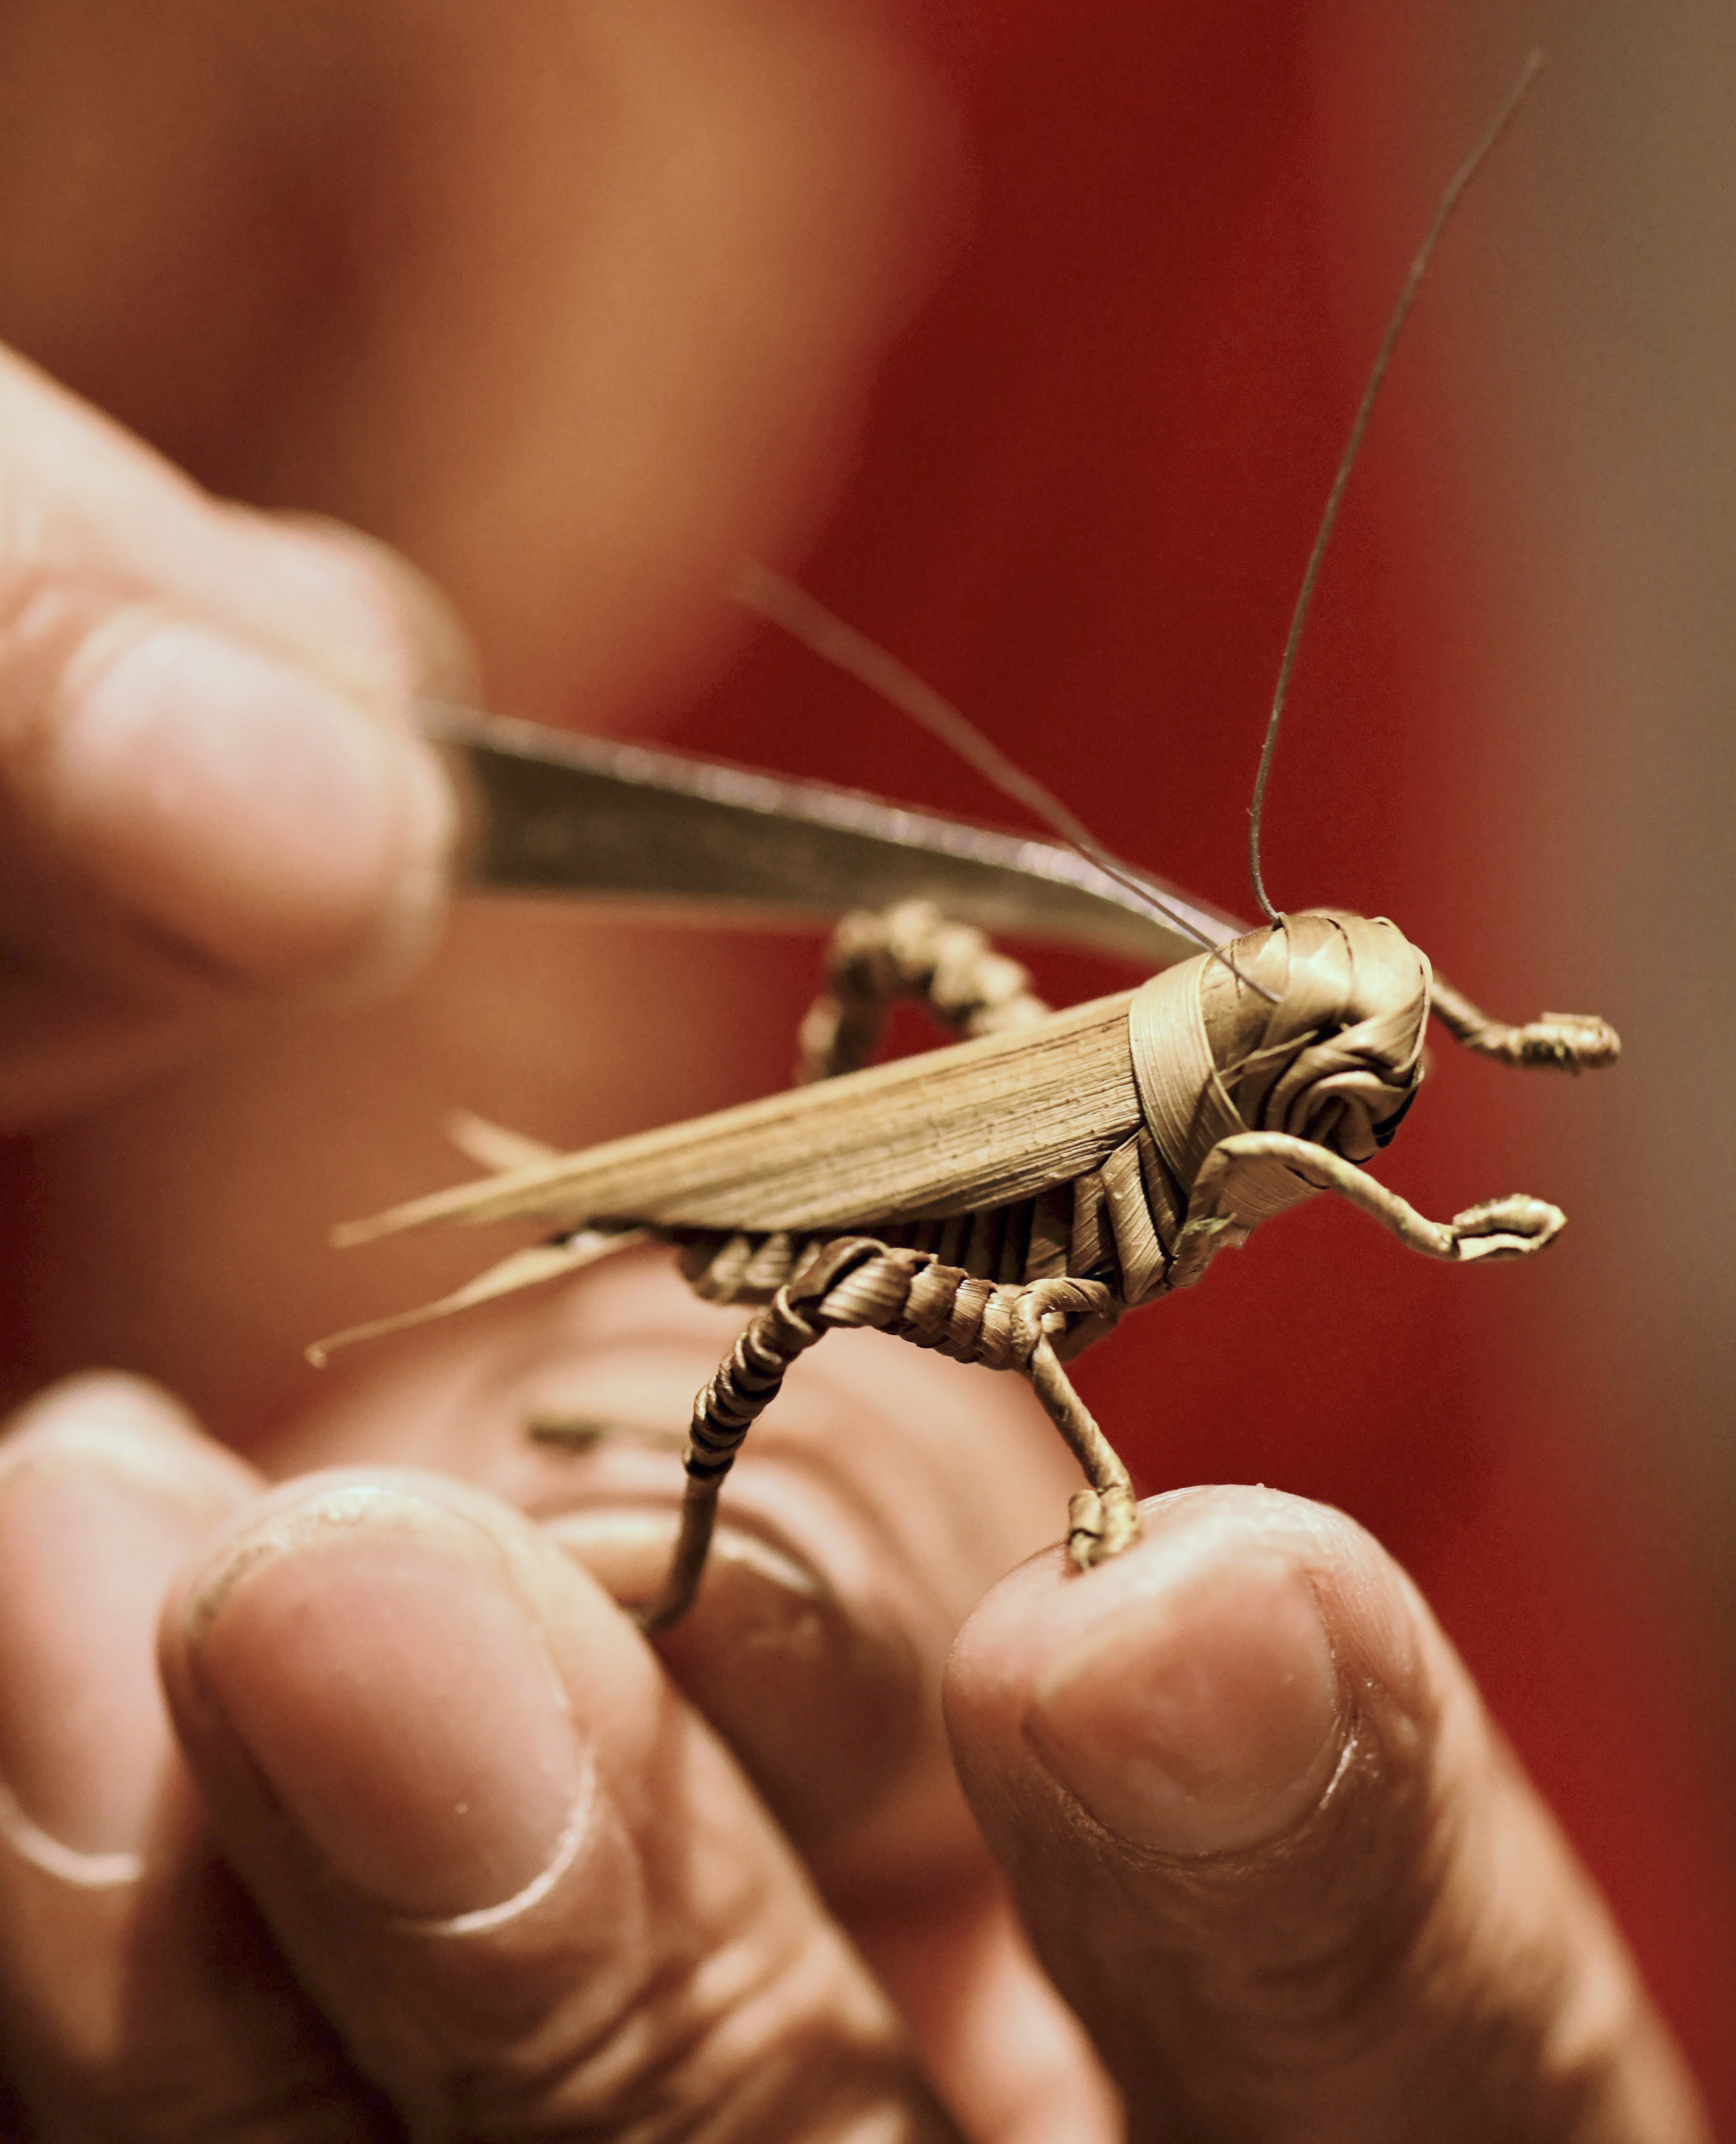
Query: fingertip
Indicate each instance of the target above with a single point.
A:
(133, 1425)
(518, 1877)
(240, 808)
(389, 633)
(105, 1486)
(1195, 1694)
(381, 1651)
(436, 1771)
(1257, 1925)
(1202, 1721)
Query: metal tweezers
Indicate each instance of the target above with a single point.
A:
(552, 812)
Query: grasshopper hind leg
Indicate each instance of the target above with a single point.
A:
(908, 950)
(1103, 1519)
(857, 1281)
(742, 1387)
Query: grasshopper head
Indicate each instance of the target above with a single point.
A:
(1338, 1059)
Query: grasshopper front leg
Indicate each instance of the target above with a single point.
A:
(1245, 1179)
(1563, 1042)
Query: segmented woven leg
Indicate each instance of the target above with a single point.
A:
(1567, 1041)
(742, 1387)
(910, 950)
(857, 1281)
(1251, 1175)
(1104, 1519)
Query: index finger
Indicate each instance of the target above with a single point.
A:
(209, 781)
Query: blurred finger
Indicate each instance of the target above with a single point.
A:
(138, 1998)
(1271, 1848)
(209, 783)
(523, 1881)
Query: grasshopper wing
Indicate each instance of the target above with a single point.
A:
(977, 1125)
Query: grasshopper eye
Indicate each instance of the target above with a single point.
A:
(1384, 1134)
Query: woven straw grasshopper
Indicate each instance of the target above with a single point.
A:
(1003, 1201)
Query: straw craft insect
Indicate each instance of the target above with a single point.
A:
(1004, 1200)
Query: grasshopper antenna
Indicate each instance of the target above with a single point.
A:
(757, 587)
(1449, 200)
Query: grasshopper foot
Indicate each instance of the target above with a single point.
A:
(1512, 1227)
(1100, 1524)
(1557, 1041)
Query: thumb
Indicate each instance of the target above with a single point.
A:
(1274, 1853)
(208, 777)
(530, 1893)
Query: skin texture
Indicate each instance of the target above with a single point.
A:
(402, 1830)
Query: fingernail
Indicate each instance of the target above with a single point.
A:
(371, 1654)
(243, 808)
(1205, 1718)
(92, 1530)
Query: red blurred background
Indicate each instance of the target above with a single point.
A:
(1088, 483)
(1080, 502)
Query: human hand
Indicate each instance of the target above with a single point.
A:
(183, 1227)
(573, 306)
(499, 1870)
(213, 796)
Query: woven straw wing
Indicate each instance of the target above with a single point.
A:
(949, 1132)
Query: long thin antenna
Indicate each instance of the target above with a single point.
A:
(1450, 199)
(758, 588)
